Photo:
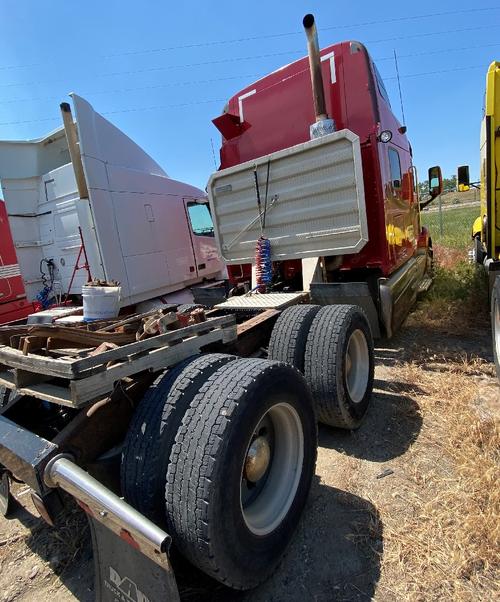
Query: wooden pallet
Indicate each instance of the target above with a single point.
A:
(77, 381)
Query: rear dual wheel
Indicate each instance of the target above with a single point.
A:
(239, 467)
(333, 346)
(339, 365)
(289, 336)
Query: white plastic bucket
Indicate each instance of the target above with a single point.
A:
(100, 302)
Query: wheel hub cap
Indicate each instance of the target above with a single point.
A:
(271, 469)
(257, 460)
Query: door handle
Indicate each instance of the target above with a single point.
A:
(149, 212)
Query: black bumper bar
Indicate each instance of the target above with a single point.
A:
(25, 454)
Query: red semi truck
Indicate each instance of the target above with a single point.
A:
(220, 450)
(275, 113)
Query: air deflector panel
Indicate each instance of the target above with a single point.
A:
(315, 201)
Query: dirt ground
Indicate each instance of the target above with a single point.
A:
(387, 517)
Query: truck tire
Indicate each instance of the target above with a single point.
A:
(241, 470)
(477, 253)
(152, 431)
(339, 365)
(185, 308)
(289, 336)
(495, 323)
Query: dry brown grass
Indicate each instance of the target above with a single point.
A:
(447, 543)
(448, 257)
(457, 300)
(442, 528)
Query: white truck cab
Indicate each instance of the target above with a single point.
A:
(140, 227)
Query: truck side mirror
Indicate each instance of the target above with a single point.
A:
(463, 178)
(435, 181)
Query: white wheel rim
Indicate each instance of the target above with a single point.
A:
(496, 327)
(357, 366)
(276, 489)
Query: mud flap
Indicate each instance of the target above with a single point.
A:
(124, 574)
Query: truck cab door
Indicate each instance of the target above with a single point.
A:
(201, 229)
(401, 207)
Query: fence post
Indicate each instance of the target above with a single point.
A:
(440, 217)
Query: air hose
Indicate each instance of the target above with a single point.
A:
(263, 262)
(46, 295)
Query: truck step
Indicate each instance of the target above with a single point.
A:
(262, 301)
(425, 285)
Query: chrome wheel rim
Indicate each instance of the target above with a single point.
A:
(271, 469)
(357, 366)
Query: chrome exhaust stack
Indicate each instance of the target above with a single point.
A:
(323, 125)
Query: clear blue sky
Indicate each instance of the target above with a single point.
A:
(124, 57)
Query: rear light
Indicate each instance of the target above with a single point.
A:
(127, 537)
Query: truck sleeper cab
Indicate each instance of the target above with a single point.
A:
(138, 226)
(275, 113)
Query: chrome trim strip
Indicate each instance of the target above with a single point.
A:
(10, 271)
(109, 509)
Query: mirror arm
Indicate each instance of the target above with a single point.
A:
(424, 204)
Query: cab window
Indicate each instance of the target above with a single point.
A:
(395, 167)
(201, 220)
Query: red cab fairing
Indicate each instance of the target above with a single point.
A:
(13, 303)
(275, 113)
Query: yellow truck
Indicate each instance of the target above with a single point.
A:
(486, 228)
